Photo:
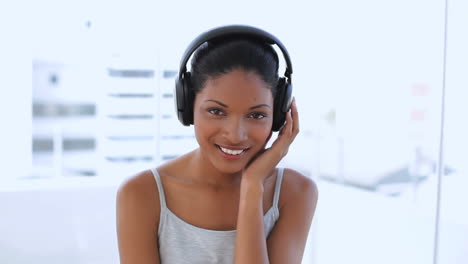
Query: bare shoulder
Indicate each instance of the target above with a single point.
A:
(140, 192)
(298, 200)
(139, 183)
(138, 219)
(296, 186)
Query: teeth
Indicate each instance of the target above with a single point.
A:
(231, 151)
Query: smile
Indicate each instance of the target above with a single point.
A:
(233, 152)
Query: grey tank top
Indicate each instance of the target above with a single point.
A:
(183, 243)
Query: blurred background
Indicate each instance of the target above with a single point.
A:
(87, 101)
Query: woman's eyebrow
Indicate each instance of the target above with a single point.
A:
(224, 105)
(260, 105)
(218, 102)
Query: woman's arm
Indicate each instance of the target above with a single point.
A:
(137, 222)
(288, 238)
(251, 246)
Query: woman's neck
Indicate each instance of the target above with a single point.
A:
(202, 171)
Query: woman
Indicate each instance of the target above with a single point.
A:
(221, 202)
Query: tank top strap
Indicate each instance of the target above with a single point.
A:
(162, 197)
(279, 179)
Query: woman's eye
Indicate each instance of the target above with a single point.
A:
(257, 115)
(215, 111)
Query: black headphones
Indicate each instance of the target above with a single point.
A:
(184, 95)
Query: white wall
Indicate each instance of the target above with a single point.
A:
(15, 94)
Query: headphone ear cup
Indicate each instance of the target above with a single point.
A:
(184, 99)
(179, 98)
(282, 103)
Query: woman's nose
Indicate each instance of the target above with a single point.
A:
(235, 131)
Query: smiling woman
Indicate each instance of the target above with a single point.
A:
(228, 122)
(226, 201)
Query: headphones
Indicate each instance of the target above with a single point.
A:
(184, 95)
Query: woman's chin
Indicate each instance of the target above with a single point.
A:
(230, 168)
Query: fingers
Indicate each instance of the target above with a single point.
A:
(295, 117)
(288, 127)
(291, 128)
(273, 155)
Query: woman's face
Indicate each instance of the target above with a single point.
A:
(233, 117)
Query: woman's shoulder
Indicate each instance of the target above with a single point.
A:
(138, 201)
(295, 186)
(139, 188)
(143, 185)
(297, 179)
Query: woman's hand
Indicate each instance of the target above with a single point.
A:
(265, 161)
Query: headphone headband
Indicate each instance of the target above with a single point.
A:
(235, 30)
(184, 96)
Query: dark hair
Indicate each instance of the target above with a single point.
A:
(213, 59)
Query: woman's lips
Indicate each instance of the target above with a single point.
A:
(231, 153)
